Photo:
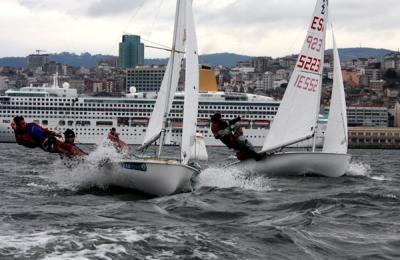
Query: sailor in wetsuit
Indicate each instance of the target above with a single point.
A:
(32, 135)
(232, 137)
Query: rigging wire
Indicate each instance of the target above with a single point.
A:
(155, 18)
(139, 7)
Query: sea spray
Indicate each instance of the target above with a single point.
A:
(92, 172)
(359, 169)
(229, 178)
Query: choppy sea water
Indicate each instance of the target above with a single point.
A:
(48, 212)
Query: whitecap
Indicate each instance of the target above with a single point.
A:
(229, 178)
(358, 169)
(365, 170)
(90, 172)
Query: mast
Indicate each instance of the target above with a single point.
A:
(169, 82)
(326, 13)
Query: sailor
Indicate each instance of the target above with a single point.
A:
(33, 135)
(113, 136)
(69, 139)
(232, 136)
(30, 135)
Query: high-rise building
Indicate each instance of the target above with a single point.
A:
(145, 79)
(131, 52)
(37, 61)
(261, 64)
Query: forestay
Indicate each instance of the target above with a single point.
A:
(190, 109)
(298, 112)
(336, 137)
(170, 81)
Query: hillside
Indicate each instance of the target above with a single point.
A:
(225, 59)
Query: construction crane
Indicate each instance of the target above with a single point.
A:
(40, 51)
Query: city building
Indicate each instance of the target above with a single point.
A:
(36, 61)
(377, 85)
(145, 79)
(375, 137)
(373, 74)
(392, 61)
(3, 83)
(397, 114)
(368, 116)
(261, 64)
(131, 52)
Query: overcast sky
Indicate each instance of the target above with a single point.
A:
(252, 27)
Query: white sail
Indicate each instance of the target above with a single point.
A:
(298, 112)
(170, 81)
(191, 102)
(336, 137)
(198, 149)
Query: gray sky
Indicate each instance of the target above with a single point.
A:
(253, 27)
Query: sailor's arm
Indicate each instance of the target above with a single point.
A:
(234, 121)
(47, 131)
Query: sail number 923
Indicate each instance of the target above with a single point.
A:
(314, 43)
(309, 63)
(306, 83)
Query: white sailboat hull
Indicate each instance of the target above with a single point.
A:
(154, 177)
(298, 164)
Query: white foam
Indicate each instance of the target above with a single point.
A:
(364, 169)
(22, 244)
(224, 178)
(359, 169)
(95, 244)
(88, 173)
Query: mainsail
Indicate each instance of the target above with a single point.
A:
(298, 112)
(169, 83)
(336, 137)
(190, 109)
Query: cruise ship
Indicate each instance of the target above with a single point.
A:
(60, 107)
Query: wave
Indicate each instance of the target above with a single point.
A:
(359, 169)
(231, 178)
(88, 173)
(363, 169)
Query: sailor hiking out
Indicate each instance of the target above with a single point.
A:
(32, 135)
(113, 136)
(232, 136)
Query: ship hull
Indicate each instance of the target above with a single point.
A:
(153, 177)
(297, 164)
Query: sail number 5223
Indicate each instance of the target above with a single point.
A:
(309, 63)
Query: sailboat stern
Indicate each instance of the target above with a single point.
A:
(154, 177)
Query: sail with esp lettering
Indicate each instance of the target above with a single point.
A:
(298, 112)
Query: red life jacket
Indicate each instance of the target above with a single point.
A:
(25, 140)
(226, 136)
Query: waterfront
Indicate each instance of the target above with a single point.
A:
(48, 212)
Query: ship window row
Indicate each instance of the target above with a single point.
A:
(145, 106)
(45, 99)
(77, 110)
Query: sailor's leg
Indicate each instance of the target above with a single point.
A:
(48, 144)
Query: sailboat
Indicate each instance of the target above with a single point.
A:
(158, 176)
(298, 113)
